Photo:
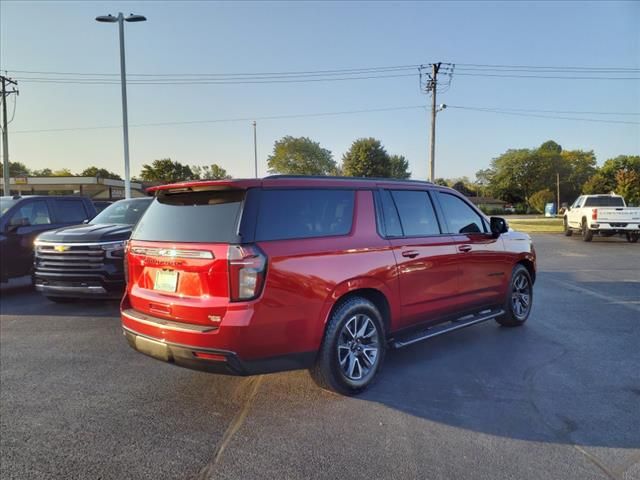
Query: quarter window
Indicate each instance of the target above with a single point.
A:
(285, 214)
(459, 216)
(417, 215)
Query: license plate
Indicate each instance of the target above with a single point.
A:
(166, 280)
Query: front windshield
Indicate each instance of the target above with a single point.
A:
(125, 212)
(5, 204)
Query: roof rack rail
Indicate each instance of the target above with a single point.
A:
(335, 177)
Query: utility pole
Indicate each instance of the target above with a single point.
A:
(255, 149)
(433, 87)
(558, 192)
(5, 133)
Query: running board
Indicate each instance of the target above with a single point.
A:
(451, 326)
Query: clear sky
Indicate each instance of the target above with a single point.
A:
(240, 37)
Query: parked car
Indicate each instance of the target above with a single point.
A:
(252, 276)
(604, 215)
(23, 218)
(87, 260)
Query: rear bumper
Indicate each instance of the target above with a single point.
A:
(214, 360)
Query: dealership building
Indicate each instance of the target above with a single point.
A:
(96, 188)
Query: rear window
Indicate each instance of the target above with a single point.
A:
(206, 216)
(304, 213)
(604, 202)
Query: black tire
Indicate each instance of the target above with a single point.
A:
(587, 235)
(517, 305)
(567, 230)
(342, 351)
(61, 299)
(632, 237)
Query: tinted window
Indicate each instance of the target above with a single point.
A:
(604, 202)
(460, 217)
(126, 212)
(392, 227)
(35, 213)
(287, 214)
(6, 203)
(416, 213)
(69, 211)
(206, 216)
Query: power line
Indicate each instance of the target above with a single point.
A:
(519, 112)
(226, 120)
(554, 77)
(206, 81)
(514, 113)
(539, 67)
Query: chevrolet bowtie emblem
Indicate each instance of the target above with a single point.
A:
(61, 248)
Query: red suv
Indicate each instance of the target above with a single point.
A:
(253, 276)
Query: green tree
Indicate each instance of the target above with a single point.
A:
(300, 156)
(539, 199)
(366, 158)
(45, 172)
(209, 172)
(628, 185)
(99, 172)
(399, 167)
(598, 183)
(165, 170)
(461, 187)
(63, 172)
(441, 182)
(16, 169)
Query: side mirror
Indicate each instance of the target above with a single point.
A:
(17, 222)
(498, 226)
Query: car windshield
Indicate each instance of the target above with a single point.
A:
(6, 203)
(126, 212)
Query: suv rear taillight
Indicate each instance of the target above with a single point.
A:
(594, 214)
(247, 268)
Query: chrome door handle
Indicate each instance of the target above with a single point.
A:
(410, 253)
(464, 248)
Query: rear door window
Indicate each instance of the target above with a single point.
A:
(417, 215)
(69, 211)
(459, 216)
(304, 213)
(204, 216)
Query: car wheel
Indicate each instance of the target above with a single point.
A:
(632, 237)
(567, 231)
(353, 348)
(519, 299)
(61, 299)
(587, 235)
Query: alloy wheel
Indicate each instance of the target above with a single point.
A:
(358, 347)
(521, 296)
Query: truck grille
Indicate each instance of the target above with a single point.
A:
(69, 257)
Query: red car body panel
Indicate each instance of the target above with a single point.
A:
(306, 277)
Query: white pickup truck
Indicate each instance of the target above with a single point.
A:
(604, 215)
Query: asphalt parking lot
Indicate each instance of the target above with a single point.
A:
(558, 398)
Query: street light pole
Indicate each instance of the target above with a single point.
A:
(125, 116)
(120, 19)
